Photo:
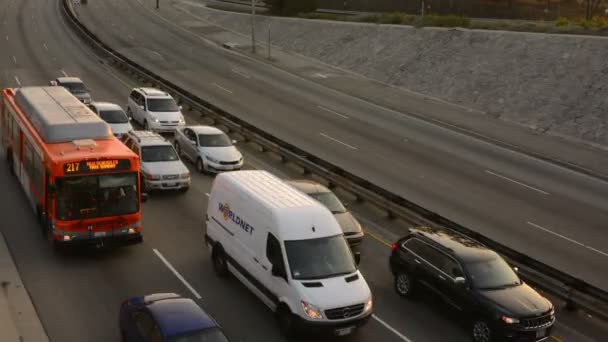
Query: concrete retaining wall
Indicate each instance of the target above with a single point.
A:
(551, 83)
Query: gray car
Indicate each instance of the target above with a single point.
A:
(75, 86)
(349, 224)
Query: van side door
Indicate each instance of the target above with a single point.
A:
(274, 269)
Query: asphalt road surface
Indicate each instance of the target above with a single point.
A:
(548, 212)
(78, 295)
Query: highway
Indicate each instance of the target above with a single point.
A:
(550, 213)
(78, 295)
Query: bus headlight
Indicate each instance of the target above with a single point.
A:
(131, 231)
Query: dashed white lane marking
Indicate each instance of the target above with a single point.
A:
(179, 276)
(333, 112)
(17, 80)
(222, 88)
(516, 182)
(338, 141)
(64, 73)
(393, 330)
(241, 73)
(207, 194)
(131, 37)
(566, 238)
(7, 38)
(15, 59)
(158, 54)
(45, 47)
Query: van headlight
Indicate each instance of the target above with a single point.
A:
(311, 311)
(155, 120)
(368, 305)
(182, 121)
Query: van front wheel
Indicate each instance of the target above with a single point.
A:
(286, 321)
(220, 265)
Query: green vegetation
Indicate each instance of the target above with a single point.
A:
(561, 22)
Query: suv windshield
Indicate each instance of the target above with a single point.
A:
(113, 116)
(330, 201)
(159, 153)
(492, 274)
(96, 196)
(74, 87)
(207, 335)
(319, 258)
(162, 105)
(214, 140)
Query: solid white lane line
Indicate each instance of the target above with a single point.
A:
(45, 47)
(179, 276)
(238, 72)
(338, 141)
(516, 182)
(393, 330)
(64, 73)
(17, 80)
(222, 88)
(15, 59)
(567, 238)
(332, 111)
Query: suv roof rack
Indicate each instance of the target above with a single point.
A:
(153, 91)
(147, 135)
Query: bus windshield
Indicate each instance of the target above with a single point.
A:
(96, 196)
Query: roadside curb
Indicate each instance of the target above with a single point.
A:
(19, 321)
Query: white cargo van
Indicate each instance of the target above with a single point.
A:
(287, 249)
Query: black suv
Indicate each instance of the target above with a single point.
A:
(475, 281)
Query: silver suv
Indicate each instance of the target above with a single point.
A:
(161, 168)
(155, 110)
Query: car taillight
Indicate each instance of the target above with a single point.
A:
(393, 246)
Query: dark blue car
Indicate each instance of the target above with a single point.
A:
(167, 317)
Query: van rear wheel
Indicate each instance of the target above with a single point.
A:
(220, 265)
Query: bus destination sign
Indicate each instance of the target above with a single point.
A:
(96, 166)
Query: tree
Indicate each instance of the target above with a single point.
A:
(591, 7)
(291, 7)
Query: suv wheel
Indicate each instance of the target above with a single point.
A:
(404, 284)
(481, 331)
(146, 125)
(220, 265)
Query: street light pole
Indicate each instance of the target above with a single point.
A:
(253, 26)
(157, 5)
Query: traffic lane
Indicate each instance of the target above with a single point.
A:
(564, 244)
(77, 295)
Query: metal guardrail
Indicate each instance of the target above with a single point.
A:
(575, 292)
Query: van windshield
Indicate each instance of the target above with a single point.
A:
(319, 258)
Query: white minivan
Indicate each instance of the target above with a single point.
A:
(288, 250)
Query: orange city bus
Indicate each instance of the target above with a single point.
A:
(81, 181)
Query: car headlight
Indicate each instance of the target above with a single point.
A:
(211, 159)
(184, 175)
(509, 320)
(311, 311)
(368, 305)
(155, 120)
(182, 120)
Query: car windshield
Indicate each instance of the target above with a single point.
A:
(162, 105)
(206, 335)
(214, 140)
(150, 154)
(96, 196)
(319, 258)
(329, 200)
(492, 274)
(75, 87)
(113, 116)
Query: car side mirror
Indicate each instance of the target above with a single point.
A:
(357, 256)
(130, 118)
(193, 142)
(144, 197)
(459, 281)
(234, 142)
(515, 269)
(180, 107)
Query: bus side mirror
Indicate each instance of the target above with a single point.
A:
(357, 257)
(144, 197)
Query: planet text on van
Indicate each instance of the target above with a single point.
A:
(228, 214)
